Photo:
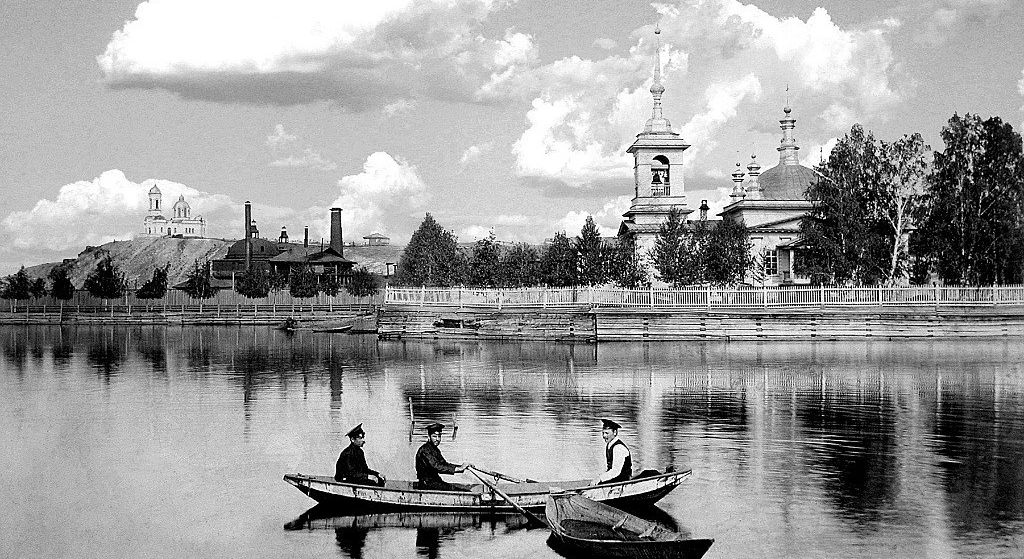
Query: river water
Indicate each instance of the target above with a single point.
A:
(171, 442)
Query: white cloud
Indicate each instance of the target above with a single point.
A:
(379, 198)
(474, 152)
(398, 107)
(98, 211)
(309, 158)
(1020, 89)
(605, 43)
(715, 173)
(816, 153)
(280, 138)
(475, 232)
(607, 218)
(359, 54)
(838, 117)
(585, 113)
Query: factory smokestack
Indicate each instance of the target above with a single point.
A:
(336, 243)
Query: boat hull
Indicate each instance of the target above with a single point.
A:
(401, 496)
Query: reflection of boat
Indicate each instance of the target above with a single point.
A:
(590, 529)
(402, 495)
(323, 517)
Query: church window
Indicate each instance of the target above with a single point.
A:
(771, 263)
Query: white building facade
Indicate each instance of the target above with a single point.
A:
(180, 223)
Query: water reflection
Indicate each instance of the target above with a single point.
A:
(862, 443)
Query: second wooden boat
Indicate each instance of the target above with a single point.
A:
(582, 526)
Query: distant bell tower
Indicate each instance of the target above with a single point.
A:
(154, 201)
(657, 170)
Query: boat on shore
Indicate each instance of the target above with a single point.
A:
(583, 527)
(398, 495)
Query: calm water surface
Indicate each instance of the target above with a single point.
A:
(170, 442)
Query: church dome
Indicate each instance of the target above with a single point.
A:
(786, 182)
(181, 202)
(154, 190)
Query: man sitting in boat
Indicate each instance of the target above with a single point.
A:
(351, 467)
(618, 462)
(430, 463)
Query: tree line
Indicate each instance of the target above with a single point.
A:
(108, 282)
(898, 212)
(685, 253)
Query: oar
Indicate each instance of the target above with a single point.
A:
(508, 499)
(500, 475)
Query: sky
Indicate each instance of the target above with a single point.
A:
(511, 116)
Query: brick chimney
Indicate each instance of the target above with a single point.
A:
(336, 243)
(305, 238)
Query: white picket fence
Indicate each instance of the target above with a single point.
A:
(780, 297)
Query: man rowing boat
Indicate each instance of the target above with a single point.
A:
(430, 463)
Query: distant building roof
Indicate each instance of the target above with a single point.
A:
(376, 236)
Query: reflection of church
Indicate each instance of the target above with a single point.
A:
(181, 223)
(770, 204)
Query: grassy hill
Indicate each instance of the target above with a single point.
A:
(137, 258)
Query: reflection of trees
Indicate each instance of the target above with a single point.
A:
(15, 349)
(152, 347)
(105, 351)
(63, 347)
(984, 466)
(861, 474)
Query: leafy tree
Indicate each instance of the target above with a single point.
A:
(591, 254)
(671, 247)
(519, 266)
(857, 230)
(627, 268)
(558, 262)
(16, 286)
(725, 258)
(156, 287)
(363, 284)
(972, 227)
(106, 281)
(278, 281)
(483, 262)
(197, 285)
(60, 282)
(432, 257)
(330, 284)
(253, 283)
(302, 282)
(38, 288)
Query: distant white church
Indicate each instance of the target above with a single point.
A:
(180, 223)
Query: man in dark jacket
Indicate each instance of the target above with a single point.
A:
(618, 462)
(351, 467)
(430, 463)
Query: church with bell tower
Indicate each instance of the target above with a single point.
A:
(180, 223)
(657, 171)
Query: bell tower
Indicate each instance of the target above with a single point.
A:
(657, 170)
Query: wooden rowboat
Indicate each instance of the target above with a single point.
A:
(591, 529)
(403, 496)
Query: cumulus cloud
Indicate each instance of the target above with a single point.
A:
(361, 55)
(585, 113)
(309, 158)
(605, 43)
(474, 152)
(381, 197)
(280, 138)
(100, 210)
(607, 218)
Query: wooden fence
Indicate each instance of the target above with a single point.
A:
(708, 298)
(179, 301)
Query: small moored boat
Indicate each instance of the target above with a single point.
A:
(591, 529)
(404, 496)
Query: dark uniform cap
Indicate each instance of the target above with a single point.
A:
(435, 428)
(356, 431)
(609, 424)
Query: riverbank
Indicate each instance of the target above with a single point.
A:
(356, 319)
(600, 324)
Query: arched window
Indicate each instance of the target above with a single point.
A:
(660, 184)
